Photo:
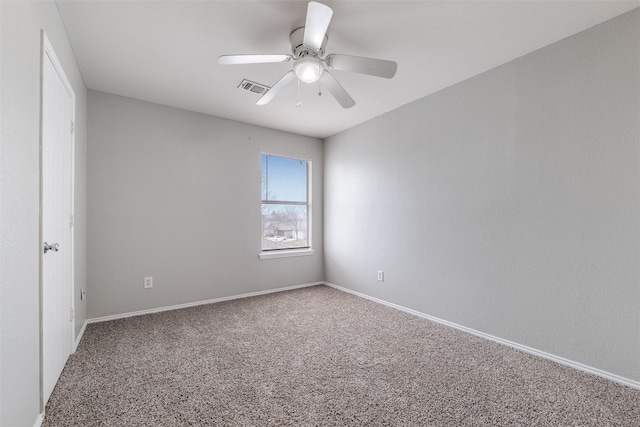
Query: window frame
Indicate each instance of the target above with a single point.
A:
(289, 251)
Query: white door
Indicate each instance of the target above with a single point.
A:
(57, 209)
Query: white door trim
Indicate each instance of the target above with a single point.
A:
(47, 53)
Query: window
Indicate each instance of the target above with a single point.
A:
(285, 203)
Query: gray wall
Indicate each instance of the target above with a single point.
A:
(21, 23)
(176, 195)
(508, 203)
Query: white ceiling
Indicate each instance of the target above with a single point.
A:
(166, 51)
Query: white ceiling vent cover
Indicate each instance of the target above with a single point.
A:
(254, 87)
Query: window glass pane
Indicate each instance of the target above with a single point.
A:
(284, 226)
(284, 179)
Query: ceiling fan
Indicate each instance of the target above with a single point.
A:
(307, 48)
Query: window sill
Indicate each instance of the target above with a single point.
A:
(285, 253)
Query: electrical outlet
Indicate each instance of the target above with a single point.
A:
(148, 282)
(380, 276)
(83, 293)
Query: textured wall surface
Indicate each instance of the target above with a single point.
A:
(176, 195)
(508, 203)
(21, 25)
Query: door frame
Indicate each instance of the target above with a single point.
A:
(48, 53)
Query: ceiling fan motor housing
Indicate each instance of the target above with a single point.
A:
(298, 48)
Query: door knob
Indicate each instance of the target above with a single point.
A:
(52, 247)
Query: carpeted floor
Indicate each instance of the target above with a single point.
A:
(318, 356)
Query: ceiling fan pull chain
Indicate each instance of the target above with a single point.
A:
(299, 104)
(319, 74)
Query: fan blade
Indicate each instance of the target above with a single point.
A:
(362, 65)
(336, 90)
(252, 59)
(285, 80)
(315, 28)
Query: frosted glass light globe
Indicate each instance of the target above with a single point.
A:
(308, 70)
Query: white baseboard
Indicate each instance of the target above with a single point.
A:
(39, 420)
(539, 353)
(196, 303)
(79, 337)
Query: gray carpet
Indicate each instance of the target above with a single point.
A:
(318, 356)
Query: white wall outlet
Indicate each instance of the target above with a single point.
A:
(148, 282)
(83, 293)
(380, 276)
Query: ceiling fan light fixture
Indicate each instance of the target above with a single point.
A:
(308, 70)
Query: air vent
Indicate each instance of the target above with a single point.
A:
(253, 87)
